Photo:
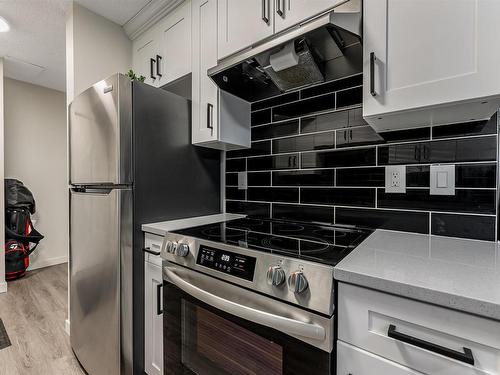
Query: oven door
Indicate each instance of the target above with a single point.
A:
(213, 327)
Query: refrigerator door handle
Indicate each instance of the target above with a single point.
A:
(92, 190)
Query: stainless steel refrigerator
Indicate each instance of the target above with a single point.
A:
(131, 162)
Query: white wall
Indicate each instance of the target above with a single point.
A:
(3, 284)
(95, 49)
(35, 153)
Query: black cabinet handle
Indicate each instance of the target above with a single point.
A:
(265, 8)
(148, 250)
(210, 116)
(465, 357)
(280, 11)
(151, 68)
(159, 310)
(372, 73)
(158, 61)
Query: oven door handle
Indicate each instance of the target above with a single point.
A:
(286, 325)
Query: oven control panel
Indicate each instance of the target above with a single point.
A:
(238, 265)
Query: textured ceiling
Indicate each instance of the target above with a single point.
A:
(34, 48)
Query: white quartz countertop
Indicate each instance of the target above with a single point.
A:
(161, 228)
(456, 273)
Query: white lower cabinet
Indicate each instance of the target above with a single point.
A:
(355, 361)
(153, 306)
(426, 338)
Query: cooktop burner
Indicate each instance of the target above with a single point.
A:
(320, 243)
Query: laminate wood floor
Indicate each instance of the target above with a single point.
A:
(34, 311)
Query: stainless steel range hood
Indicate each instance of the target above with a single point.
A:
(325, 48)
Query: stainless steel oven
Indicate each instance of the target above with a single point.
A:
(252, 296)
(214, 327)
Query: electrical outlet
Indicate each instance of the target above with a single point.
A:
(242, 181)
(395, 179)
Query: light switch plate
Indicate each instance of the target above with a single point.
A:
(242, 181)
(395, 179)
(442, 179)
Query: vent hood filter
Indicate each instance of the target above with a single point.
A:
(304, 72)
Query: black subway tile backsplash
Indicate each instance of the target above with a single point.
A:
(339, 158)
(314, 158)
(464, 226)
(275, 130)
(384, 219)
(338, 196)
(304, 178)
(308, 142)
(359, 136)
(259, 178)
(235, 165)
(304, 107)
(277, 100)
(273, 194)
(262, 163)
(466, 129)
(349, 97)
(445, 151)
(304, 213)
(328, 121)
(473, 201)
(374, 176)
(235, 193)
(249, 208)
(257, 148)
(356, 80)
(261, 117)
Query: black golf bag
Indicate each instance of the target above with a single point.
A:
(21, 238)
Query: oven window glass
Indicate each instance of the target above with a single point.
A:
(214, 345)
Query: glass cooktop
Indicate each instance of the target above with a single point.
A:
(315, 242)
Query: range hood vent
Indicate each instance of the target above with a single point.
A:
(323, 49)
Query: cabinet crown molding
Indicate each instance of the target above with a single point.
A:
(151, 13)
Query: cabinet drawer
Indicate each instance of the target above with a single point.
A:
(442, 335)
(154, 242)
(355, 361)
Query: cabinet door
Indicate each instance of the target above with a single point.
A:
(175, 56)
(144, 59)
(205, 93)
(153, 322)
(426, 53)
(291, 12)
(243, 23)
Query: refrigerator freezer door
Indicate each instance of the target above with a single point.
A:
(101, 280)
(100, 133)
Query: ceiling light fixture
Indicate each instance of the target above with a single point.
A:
(4, 25)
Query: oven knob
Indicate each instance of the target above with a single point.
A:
(182, 249)
(297, 282)
(275, 275)
(171, 246)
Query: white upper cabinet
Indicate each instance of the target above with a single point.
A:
(220, 120)
(430, 62)
(175, 47)
(144, 59)
(288, 13)
(163, 53)
(243, 23)
(205, 103)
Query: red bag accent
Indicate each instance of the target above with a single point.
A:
(17, 260)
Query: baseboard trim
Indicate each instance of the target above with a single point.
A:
(42, 263)
(67, 326)
(3, 287)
